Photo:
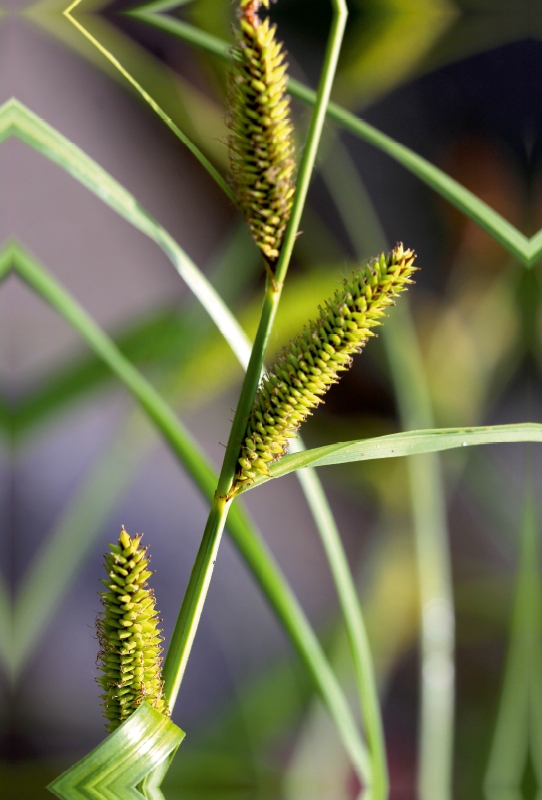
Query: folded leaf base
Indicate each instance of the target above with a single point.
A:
(129, 765)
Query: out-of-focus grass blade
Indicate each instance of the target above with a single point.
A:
(388, 44)
(518, 722)
(17, 120)
(149, 341)
(354, 624)
(403, 444)
(5, 415)
(427, 496)
(428, 499)
(38, 597)
(5, 261)
(190, 378)
(161, 341)
(526, 250)
(128, 765)
(6, 627)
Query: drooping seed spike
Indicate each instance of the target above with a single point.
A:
(129, 636)
(322, 350)
(260, 145)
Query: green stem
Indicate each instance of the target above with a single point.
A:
(294, 621)
(177, 655)
(356, 632)
(194, 598)
(241, 529)
(434, 567)
(515, 735)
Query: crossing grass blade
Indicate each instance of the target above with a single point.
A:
(427, 493)
(87, 511)
(527, 251)
(128, 765)
(517, 723)
(247, 539)
(6, 628)
(396, 445)
(190, 376)
(147, 343)
(17, 120)
(428, 500)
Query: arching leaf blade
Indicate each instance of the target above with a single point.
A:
(17, 120)
(396, 445)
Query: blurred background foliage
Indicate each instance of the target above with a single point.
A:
(457, 82)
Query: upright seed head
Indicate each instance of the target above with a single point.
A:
(128, 634)
(305, 369)
(260, 144)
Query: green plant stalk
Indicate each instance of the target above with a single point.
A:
(526, 250)
(427, 497)
(434, 567)
(6, 629)
(6, 615)
(252, 548)
(356, 631)
(192, 605)
(194, 599)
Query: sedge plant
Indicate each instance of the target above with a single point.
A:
(270, 409)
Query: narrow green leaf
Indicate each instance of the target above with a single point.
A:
(403, 444)
(6, 627)
(428, 500)
(147, 342)
(5, 416)
(39, 597)
(517, 725)
(5, 262)
(128, 765)
(354, 623)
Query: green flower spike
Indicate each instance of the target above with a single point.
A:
(128, 634)
(306, 368)
(260, 145)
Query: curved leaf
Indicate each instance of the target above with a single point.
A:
(17, 120)
(128, 765)
(403, 444)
